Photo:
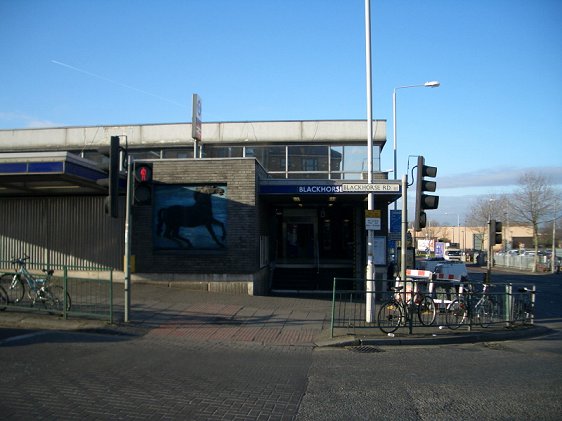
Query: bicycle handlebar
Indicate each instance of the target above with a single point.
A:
(20, 260)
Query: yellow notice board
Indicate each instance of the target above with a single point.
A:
(373, 220)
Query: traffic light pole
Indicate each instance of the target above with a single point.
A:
(128, 225)
(489, 262)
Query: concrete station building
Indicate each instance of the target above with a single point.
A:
(253, 207)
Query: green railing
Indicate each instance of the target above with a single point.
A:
(90, 290)
(355, 309)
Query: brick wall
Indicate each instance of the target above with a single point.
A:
(241, 254)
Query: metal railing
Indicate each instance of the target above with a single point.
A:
(523, 262)
(90, 290)
(356, 310)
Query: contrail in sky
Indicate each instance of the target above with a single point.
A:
(68, 66)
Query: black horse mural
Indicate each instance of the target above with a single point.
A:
(172, 218)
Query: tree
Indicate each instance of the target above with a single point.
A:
(434, 230)
(533, 203)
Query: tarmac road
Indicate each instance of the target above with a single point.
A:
(199, 356)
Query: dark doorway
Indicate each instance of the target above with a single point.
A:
(314, 245)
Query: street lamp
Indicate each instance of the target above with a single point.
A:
(458, 226)
(431, 84)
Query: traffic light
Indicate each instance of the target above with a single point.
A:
(495, 232)
(143, 184)
(424, 201)
(112, 167)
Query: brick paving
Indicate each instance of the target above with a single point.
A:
(190, 356)
(210, 322)
(194, 315)
(93, 377)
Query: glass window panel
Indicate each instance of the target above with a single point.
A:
(178, 153)
(308, 158)
(222, 151)
(354, 162)
(336, 158)
(272, 158)
(309, 176)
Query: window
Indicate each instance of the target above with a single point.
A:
(320, 162)
(310, 164)
(213, 151)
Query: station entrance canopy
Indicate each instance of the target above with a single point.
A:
(48, 173)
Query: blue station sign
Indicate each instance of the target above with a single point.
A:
(330, 189)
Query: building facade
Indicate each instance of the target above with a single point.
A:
(476, 238)
(253, 207)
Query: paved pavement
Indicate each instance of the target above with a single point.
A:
(172, 312)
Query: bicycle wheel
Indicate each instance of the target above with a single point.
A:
(3, 298)
(456, 314)
(53, 298)
(426, 311)
(518, 311)
(14, 287)
(485, 313)
(390, 317)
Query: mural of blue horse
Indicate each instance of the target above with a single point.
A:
(189, 217)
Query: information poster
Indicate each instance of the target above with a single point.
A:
(379, 251)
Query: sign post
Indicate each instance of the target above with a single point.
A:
(196, 122)
(128, 225)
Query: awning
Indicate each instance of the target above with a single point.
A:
(48, 173)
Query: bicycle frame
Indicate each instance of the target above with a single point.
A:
(401, 308)
(32, 282)
(463, 309)
(36, 288)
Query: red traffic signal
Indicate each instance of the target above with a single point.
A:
(143, 184)
(143, 173)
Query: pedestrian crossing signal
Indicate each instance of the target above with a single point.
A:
(143, 184)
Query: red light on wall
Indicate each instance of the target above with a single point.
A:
(143, 173)
(143, 184)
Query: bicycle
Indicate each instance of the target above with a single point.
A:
(459, 310)
(38, 289)
(3, 298)
(396, 312)
(522, 306)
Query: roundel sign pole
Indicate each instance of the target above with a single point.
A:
(196, 123)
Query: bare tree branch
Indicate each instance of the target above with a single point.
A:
(532, 203)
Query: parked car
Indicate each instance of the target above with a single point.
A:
(453, 254)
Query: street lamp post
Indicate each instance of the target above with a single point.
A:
(431, 84)
(370, 269)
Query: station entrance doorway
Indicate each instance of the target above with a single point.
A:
(315, 244)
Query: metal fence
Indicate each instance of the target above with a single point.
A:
(90, 290)
(358, 310)
(522, 262)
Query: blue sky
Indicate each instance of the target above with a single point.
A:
(496, 115)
